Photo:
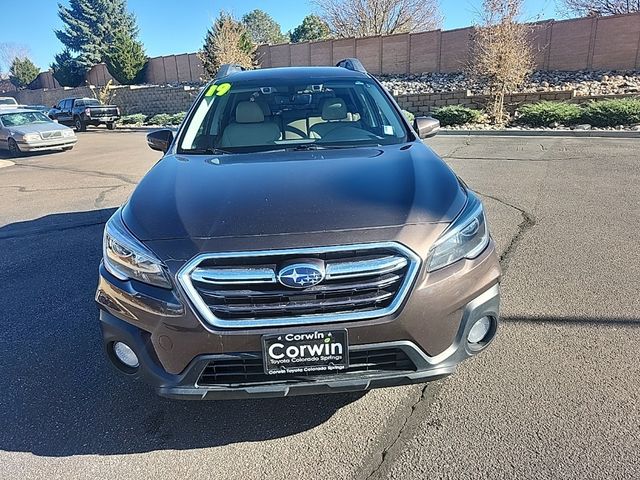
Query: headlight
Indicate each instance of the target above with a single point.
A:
(466, 237)
(67, 133)
(31, 137)
(126, 258)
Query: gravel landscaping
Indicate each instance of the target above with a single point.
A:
(585, 83)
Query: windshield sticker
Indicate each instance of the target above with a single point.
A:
(219, 90)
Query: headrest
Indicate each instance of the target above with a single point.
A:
(266, 109)
(334, 109)
(249, 112)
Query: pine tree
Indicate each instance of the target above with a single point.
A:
(311, 29)
(227, 41)
(22, 72)
(67, 70)
(91, 26)
(262, 28)
(126, 59)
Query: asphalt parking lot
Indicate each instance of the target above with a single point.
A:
(555, 397)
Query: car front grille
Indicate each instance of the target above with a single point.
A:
(249, 369)
(242, 290)
(52, 134)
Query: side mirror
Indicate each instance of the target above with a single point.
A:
(160, 140)
(426, 126)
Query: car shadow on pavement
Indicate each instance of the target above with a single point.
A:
(5, 155)
(60, 397)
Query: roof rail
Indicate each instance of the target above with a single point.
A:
(352, 64)
(228, 69)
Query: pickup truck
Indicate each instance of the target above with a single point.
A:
(80, 112)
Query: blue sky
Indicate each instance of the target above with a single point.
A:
(170, 26)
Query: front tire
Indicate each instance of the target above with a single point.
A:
(79, 125)
(14, 150)
(111, 126)
(66, 149)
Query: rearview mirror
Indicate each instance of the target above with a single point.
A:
(426, 126)
(160, 140)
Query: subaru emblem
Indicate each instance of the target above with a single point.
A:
(302, 274)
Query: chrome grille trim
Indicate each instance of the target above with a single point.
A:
(365, 268)
(302, 305)
(383, 282)
(230, 276)
(212, 276)
(335, 271)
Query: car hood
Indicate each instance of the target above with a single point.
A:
(37, 128)
(293, 192)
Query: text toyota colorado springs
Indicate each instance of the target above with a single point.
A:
(297, 237)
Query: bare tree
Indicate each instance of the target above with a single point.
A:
(360, 18)
(501, 54)
(227, 41)
(9, 51)
(589, 8)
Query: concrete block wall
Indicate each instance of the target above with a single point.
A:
(170, 69)
(425, 103)
(130, 99)
(610, 43)
(591, 43)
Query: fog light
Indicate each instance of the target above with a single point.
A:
(479, 330)
(124, 353)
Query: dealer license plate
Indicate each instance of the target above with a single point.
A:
(306, 352)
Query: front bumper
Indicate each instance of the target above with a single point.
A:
(99, 120)
(47, 144)
(184, 385)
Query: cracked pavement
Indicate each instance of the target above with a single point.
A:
(555, 395)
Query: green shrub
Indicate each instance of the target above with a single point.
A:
(457, 115)
(176, 118)
(135, 119)
(543, 114)
(609, 113)
(159, 119)
(408, 115)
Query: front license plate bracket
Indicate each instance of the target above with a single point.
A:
(306, 352)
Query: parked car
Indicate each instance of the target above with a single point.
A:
(40, 108)
(8, 102)
(32, 131)
(297, 237)
(80, 112)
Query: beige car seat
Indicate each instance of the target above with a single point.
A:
(250, 128)
(334, 113)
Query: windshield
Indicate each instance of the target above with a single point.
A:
(8, 101)
(245, 116)
(87, 102)
(17, 119)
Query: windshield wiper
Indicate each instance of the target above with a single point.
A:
(206, 151)
(315, 146)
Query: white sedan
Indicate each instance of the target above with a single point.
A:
(32, 131)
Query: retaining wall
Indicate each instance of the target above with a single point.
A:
(148, 100)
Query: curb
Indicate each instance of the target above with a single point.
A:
(146, 128)
(544, 133)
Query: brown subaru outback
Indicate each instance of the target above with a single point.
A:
(297, 237)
